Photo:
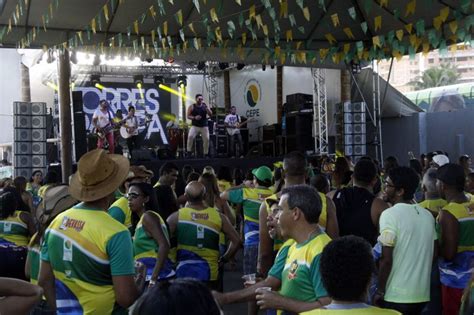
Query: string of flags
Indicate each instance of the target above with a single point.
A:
(249, 24)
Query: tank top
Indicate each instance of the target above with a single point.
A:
(14, 231)
(145, 249)
(198, 243)
(201, 111)
(353, 208)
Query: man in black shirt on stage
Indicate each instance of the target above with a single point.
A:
(198, 113)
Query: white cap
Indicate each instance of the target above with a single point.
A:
(440, 159)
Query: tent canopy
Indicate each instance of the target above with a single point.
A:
(325, 33)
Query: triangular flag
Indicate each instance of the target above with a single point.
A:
(411, 7)
(335, 19)
(265, 30)
(378, 22)
(306, 14)
(437, 22)
(152, 11)
(244, 38)
(352, 13)
(348, 32)
(383, 3)
(364, 27)
(214, 17)
(399, 34)
(453, 26)
(444, 13)
(376, 41)
(252, 12)
(135, 27)
(330, 38)
(181, 34)
(258, 19)
(420, 27)
(191, 27)
(292, 19)
(179, 17)
(289, 35)
(165, 28)
(197, 6)
(409, 27)
(238, 2)
(153, 36)
(106, 12)
(284, 8)
(93, 26)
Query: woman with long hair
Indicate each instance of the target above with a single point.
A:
(212, 197)
(25, 201)
(36, 181)
(16, 228)
(151, 241)
(342, 173)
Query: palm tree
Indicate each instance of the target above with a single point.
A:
(446, 74)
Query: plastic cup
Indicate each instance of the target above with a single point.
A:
(249, 279)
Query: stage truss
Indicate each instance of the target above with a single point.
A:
(320, 110)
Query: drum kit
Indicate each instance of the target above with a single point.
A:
(178, 137)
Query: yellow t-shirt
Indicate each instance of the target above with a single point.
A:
(369, 310)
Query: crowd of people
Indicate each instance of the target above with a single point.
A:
(318, 237)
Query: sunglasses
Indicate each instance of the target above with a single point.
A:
(133, 196)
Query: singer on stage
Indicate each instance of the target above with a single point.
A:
(198, 113)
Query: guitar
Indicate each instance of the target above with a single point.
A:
(230, 129)
(127, 132)
(102, 132)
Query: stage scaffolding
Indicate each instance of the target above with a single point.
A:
(320, 110)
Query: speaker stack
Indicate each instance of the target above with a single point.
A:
(80, 136)
(29, 150)
(355, 144)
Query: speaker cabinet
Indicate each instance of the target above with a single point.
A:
(38, 122)
(22, 135)
(39, 161)
(38, 109)
(22, 148)
(22, 161)
(25, 172)
(21, 108)
(359, 150)
(38, 135)
(38, 148)
(22, 121)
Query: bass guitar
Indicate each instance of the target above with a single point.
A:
(111, 127)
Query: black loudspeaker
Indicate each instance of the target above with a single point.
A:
(38, 109)
(299, 98)
(80, 136)
(165, 154)
(77, 103)
(222, 146)
(22, 108)
(299, 124)
(141, 155)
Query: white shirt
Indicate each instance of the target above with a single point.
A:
(232, 120)
(103, 118)
(132, 122)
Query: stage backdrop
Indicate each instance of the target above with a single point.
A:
(120, 95)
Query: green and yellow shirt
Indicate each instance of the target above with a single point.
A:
(198, 243)
(86, 248)
(121, 212)
(34, 258)
(14, 231)
(434, 205)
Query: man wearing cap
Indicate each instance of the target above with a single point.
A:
(439, 160)
(251, 199)
(456, 234)
(120, 210)
(87, 256)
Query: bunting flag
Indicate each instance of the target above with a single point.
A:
(191, 27)
(384, 3)
(197, 6)
(437, 22)
(444, 13)
(289, 35)
(179, 17)
(135, 27)
(152, 12)
(335, 19)
(214, 17)
(106, 12)
(352, 13)
(284, 9)
(411, 7)
(306, 14)
(93, 26)
(378, 22)
(453, 26)
(409, 27)
(330, 38)
(252, 12)
(348, 32)
(399, 34)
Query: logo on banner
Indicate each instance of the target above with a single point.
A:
(253, 93)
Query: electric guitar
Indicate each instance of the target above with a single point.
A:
(230, 129)
(112, 126)
(127, 132)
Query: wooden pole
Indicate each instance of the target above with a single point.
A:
(65, 120)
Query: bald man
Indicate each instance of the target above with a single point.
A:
(196, 228)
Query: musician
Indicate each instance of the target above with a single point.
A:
(102, 120)
(232, 123)
(131, 124)
(198, 113)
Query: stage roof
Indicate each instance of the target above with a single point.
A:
(325, 33)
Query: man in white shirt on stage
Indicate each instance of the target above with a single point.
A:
(232, 122)
(131, 123)
(102, 122)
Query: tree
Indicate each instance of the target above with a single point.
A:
(446, 74)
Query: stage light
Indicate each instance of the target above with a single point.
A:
(201, 65)
(96, 61)
(50, 58)
(158, 79)
(138, 80)
(240, 66)
(53, 86)
(175, 92)
(182, 81)
(223, 65)
(73, 57)
(264, 67)
(95, 81)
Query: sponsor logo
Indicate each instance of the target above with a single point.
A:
(293, 270)
(69, 223)
(199, 216)
(253, 93)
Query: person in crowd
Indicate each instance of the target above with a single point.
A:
(198, 113)
(25, 203)
(102, 120)
(208, 170)
(278, 179)
(187, 169)
(415, 164)
(196, 228)
(321, 183)
(151, 240)
(35, 182)
(469, 188)
(346, 266)
(168, 175)
(251, 200)
(224, 178)
(294, 279)
(182, 179)
(50, 180)
(465, 162)
(456, 236)
(5, 182)
(294, 169)
(439, 160)
(120, 209)
(342, 173)
(178, 297)
(166, 201)
(432, 200)
(18, 297)
(408, 239)
(212, 196)
(358, 209)
(16, 228)
(389, 163)
(238, 177)
(97, 276)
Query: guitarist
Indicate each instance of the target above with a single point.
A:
(102, 120)
(232, 123)
(131, 123)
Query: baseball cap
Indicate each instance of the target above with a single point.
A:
(263, 173)
(451, 174)
(440, 159)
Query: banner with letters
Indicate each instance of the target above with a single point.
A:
(149, 101)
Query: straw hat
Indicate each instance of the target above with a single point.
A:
(55, 200)
(98, 175)
(139, 171)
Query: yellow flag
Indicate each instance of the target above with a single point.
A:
(437, 22)
(376, 41)
(284, 9)
(330, 38)
(258, 19)
(277, 51)
(306, 14)
(453, 48)
(42, 19)
(252, 12)
(399, 34)
(153, 36)
(214, 17)
(238, 2)
(152, 11)
(411, 7)
(106, 12)
(323, 52)
(179, 15)
(218, 34)
(298, 45)
(444, 13)
(191, 27)
(384, 3)
(453, 26)
(347, 47)
(265, 29)
(289, 35)
(426, 48)
(78, 34)
(283, 59)
(413, 40)
(135, 26)
(165, 28)
(301, 56)
(93, 25)
(10, 25)
(409, 27)
(244, 38)
(335, 19)
(348, 32)
(378, 22)
(397, 55)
